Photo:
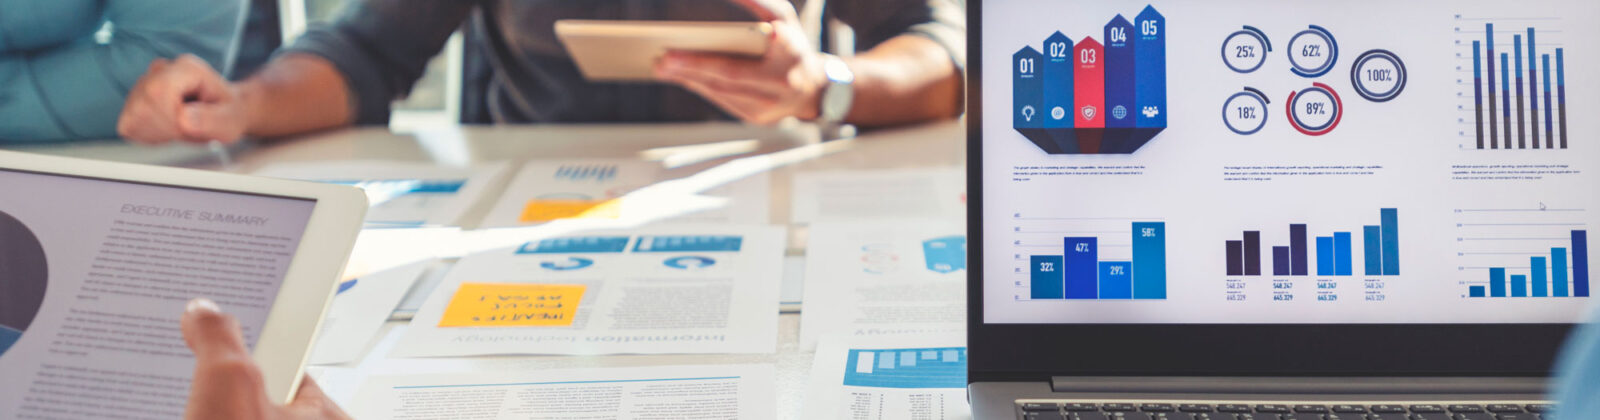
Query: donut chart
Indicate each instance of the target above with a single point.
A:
(23, 277)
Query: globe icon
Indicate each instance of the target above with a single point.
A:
(1119, 112)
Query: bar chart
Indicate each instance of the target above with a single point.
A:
(1093, 97)
(1334, 253)
(1540, 252)
(942, 367)
(1518, 93)
(1088, 259)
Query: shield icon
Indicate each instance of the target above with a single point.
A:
(1088, 112)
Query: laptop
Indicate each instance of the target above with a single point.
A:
(1252, 209)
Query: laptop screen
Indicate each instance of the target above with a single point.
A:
(1265, 162)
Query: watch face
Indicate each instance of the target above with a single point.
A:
(836, 97)
(836, 101)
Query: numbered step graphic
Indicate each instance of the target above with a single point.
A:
(1088, 97)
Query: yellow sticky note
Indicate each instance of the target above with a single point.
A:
(513, 305)
(542, 210)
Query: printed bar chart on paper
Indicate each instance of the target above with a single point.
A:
(1333, 253)
(1516, 97)
(1086, 95)
(943, 367)
(1090, 258)
(1535, 252)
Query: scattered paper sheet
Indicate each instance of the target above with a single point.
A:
(360, 307)
(849, 195)
(664, 392)
(401, 193)
(626, 193)
(679, 289)
(923, 377)
(866, 279)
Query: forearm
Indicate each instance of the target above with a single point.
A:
(905, 79)
(295, 93)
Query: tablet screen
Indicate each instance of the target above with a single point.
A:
(94, 275)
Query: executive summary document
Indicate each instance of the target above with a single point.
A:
(884, 278)
(680, 289)
(94, 275)
(665, 392)
(625, 192)
(402, 193)
(881, 378)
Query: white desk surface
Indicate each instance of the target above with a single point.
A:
(936, 145)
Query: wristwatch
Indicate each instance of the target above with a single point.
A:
(839, 93)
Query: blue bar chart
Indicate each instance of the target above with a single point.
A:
(1334, 253)
(1514, 81)
(942, 367)
(1085, 270)
(1538, 252)
(1563, 272)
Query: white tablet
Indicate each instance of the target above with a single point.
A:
(628, 50)
(97, 260)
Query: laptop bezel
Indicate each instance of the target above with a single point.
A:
(1038, 352)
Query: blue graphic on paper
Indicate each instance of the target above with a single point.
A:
(947, 254)
(578, 244)
(700, 243)
(689, 262)
(345, 286)
(571, 263)
(942, 367)
(406, 186)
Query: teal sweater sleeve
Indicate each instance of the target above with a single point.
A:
(59, 80)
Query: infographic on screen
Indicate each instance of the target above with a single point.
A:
(1253, 161)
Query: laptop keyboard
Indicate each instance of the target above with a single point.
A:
(1031, 409)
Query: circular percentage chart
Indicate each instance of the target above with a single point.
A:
(1313, 52)
(1245, 112)
(1246, 50)
(1315, 110)
(1378, 75)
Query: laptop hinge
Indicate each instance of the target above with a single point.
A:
(1300, 385)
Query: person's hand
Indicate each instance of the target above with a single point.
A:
(182, 99)
(227, 382)
(787, 81)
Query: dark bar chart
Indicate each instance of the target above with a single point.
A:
(1511, 84)
(1334, 253)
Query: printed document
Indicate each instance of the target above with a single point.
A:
(664, 392)
(922, 378)
(625, 193)
(681, 289)
(402, 193)
(885, 278)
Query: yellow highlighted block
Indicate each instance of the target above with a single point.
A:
(543, 210)
(513, 305)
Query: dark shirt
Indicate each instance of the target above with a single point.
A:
(383, 46)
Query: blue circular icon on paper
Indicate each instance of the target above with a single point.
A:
(572, 263)
(1313, 52)
(690, 262)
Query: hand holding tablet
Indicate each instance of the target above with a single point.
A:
(117, 250)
